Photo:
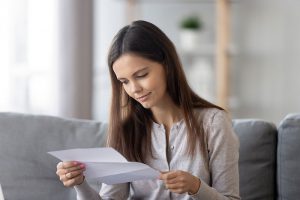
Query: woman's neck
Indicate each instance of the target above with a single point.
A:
(167, 114)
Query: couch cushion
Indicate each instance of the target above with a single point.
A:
(26, 170)
(258, 141)
(288, 158)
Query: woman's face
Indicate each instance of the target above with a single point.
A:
(143, 80)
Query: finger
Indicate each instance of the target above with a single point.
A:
(74, 181)
(65, 176)
(169, 186)
(66, 164)
(177, 185)
(59, 165)
(75, 168)
(177, 188)
(69, 164)
(168, 176)
(60, 172)
(172, 181)
(69, 182)
(73, 174)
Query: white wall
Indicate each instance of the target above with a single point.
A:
(265, 70)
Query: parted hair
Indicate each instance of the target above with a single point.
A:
(130, 123)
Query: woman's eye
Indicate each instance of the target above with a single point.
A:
(124, 82)
(142, 75)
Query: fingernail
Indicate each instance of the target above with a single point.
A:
(82, 166)
(75, 163)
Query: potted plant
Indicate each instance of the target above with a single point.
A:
(190, 30)
(191, 23)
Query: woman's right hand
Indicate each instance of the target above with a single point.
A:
(70, 173)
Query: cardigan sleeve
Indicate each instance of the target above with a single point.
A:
(223, 155)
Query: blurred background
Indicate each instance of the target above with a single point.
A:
(243, 55)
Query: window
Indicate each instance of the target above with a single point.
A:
(28, 60)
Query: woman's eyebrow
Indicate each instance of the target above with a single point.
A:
(134, 74)
(140, 70)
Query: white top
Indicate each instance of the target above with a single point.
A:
(220, 180)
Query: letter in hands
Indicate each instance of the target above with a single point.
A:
(70, 173)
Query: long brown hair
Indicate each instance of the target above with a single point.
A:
(130, 123)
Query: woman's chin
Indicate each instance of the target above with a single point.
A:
(146, 105)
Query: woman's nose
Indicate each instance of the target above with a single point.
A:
(135, 87)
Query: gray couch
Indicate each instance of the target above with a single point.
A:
(269, 156)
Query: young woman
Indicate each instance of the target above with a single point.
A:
(157, 119)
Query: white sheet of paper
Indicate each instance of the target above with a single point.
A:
(1, 193)
(107, 165)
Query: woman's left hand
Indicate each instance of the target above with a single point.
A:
(180, 182)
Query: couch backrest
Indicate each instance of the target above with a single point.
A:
(288, 158)
(257, 162)
(26, 170)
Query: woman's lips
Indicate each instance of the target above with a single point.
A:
(143, 98)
